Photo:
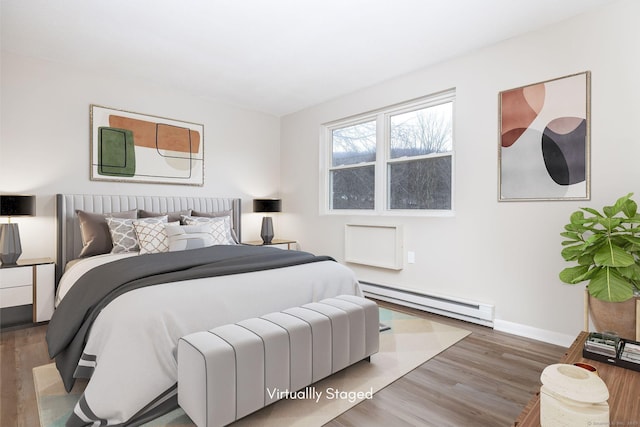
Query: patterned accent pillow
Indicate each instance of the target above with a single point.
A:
(151, 235)
(123, 233)
(216, 215)
(219, 227)
(123, 236)
(184, 237)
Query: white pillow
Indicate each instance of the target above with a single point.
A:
(219, 227)
(151, 235)
(184, 237)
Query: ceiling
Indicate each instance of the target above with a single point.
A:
(274, 56)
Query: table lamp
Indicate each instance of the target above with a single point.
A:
(13, 205)
(267, 205)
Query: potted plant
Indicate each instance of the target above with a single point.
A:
(606, 246)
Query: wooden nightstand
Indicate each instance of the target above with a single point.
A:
(275, 243)
(27, 291)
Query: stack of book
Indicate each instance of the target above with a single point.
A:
(604, 344)
(613, 350)
(630, 352)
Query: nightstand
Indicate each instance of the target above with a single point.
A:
(27, 291)
(275, 243)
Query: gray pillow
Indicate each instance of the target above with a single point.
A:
(124, 235)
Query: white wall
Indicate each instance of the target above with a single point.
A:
(503, 253)
(44, 142)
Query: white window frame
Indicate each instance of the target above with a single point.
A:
(330, 167)
(383, 158)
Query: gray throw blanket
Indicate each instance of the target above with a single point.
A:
(72, 320)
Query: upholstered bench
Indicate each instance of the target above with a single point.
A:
(231, 371)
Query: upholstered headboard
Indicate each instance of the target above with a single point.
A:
(68, 225)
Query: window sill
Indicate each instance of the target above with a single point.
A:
(391, 213)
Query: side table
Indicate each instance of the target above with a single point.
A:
(623, 385)
(27, 291)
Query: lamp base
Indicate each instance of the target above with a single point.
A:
(267, 230)
(10, 248)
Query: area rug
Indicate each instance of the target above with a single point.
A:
(408, 343)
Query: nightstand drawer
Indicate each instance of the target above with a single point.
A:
(26, 291)
(18, 276)
(11, 297)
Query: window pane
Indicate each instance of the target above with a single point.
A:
(353, 188)
(354, 144)
(422, 132)
(420, 184)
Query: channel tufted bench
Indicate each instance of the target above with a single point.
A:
(233, 370)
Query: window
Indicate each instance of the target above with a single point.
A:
(353, 166)
(398, 159)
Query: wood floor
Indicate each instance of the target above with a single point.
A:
(484, 380)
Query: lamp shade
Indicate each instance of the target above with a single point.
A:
(267, 205)
(14, 205)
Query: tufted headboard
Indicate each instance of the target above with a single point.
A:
(68, 226)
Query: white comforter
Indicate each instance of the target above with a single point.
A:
(76, 268)
(134, 339)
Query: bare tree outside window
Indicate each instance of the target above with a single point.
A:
(420, 184)
(411, 169)
(421, 179)
(354, 144)
(421, 132)
(353, 188)
(353, 159)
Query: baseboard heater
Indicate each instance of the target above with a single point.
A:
(469, 311)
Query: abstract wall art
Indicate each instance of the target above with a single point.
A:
(133, 147)
(544, 149)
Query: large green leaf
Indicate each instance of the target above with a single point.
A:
(621, 205)
(571, 253)
(631, 272)
(590, 210)
(610, 223)
(573, 275)
(608, 285)
(577, 217)
(572, 235)
(596, 239)
(631, 239)
(585, 259)
(611, 255)
(610, 211)
(630, 208)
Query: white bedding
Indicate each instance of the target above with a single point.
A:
(77, 268)
(134, 339)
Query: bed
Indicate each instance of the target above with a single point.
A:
(119, 315)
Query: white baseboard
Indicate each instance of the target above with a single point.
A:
(457, 308)
(534, 333)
